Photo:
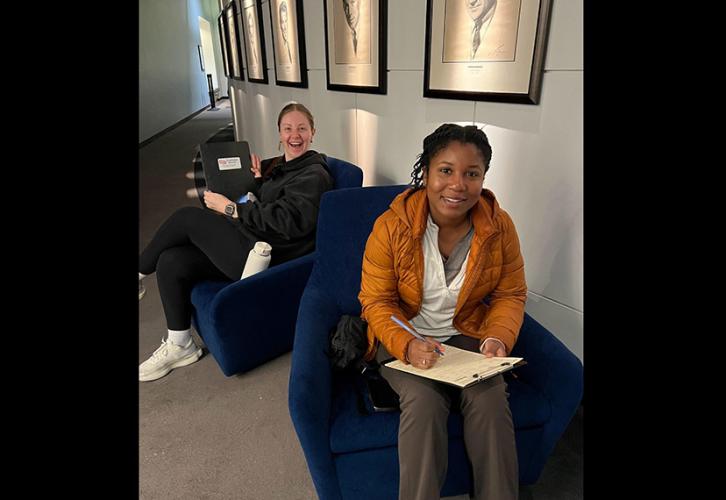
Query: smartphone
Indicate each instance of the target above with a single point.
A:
(381, 395)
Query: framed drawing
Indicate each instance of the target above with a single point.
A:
(223, 41)
(234, 48)
(355, 45)
(288, 43)
(254, 42)
(485, 50)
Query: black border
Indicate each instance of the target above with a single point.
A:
(381, 88)
(201, 59)
(302, 61)
(261, 32)
(241, 76)
(535, 79)
(223, 36)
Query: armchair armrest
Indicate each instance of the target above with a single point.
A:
(310, 388)
(555, 371)
(247, 302)
(258, 311)
(550, 364)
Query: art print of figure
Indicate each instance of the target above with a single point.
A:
(352, 21)
(481, 13)
(284, 17)
(480, 30)
(252, 58)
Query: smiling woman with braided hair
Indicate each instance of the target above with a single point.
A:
(197, 244)
(440, 250)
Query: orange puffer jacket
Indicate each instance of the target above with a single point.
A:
(392, 274)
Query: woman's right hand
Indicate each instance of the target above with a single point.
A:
(421, 354)
(256, 167)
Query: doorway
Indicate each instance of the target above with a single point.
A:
(205, 32)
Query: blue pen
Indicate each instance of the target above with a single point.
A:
(415, 333)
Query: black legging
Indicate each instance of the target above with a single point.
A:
(192, 245)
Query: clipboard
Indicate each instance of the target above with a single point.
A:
(461, 368)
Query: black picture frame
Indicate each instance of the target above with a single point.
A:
(353, 71)
(223, 41)
(255, 41)
(201, 57)
(285, 73)
(505, 64)
(234, 48)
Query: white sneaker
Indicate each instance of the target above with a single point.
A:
(167, 357)
(142, 290)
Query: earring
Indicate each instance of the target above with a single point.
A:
(279, 145)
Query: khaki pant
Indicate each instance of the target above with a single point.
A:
(423, 438)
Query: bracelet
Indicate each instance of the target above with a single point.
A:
(481, 346)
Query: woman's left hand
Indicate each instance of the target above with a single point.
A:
(493, 348)
(256, 166)
(216, 201)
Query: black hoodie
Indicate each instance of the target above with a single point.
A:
(286, 213)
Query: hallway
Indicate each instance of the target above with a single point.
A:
(206, 436)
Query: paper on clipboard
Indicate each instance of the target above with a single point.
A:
(461, 368)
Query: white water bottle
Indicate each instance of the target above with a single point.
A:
(258, 259)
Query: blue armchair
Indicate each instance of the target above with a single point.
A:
(352, 454)
(259, 310)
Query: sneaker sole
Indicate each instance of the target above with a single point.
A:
(192, 358)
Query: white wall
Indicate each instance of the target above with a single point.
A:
(537, 164)
(172, 85)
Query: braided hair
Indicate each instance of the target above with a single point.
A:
(440, 138)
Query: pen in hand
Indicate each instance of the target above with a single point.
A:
(415, 334)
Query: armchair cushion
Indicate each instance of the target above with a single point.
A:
(351, 430)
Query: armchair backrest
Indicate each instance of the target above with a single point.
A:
(345, 174)
(345, 221)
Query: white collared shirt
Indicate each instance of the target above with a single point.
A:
(435, 319)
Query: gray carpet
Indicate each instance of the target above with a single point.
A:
(206, 436)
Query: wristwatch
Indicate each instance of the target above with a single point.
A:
(229, 209)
